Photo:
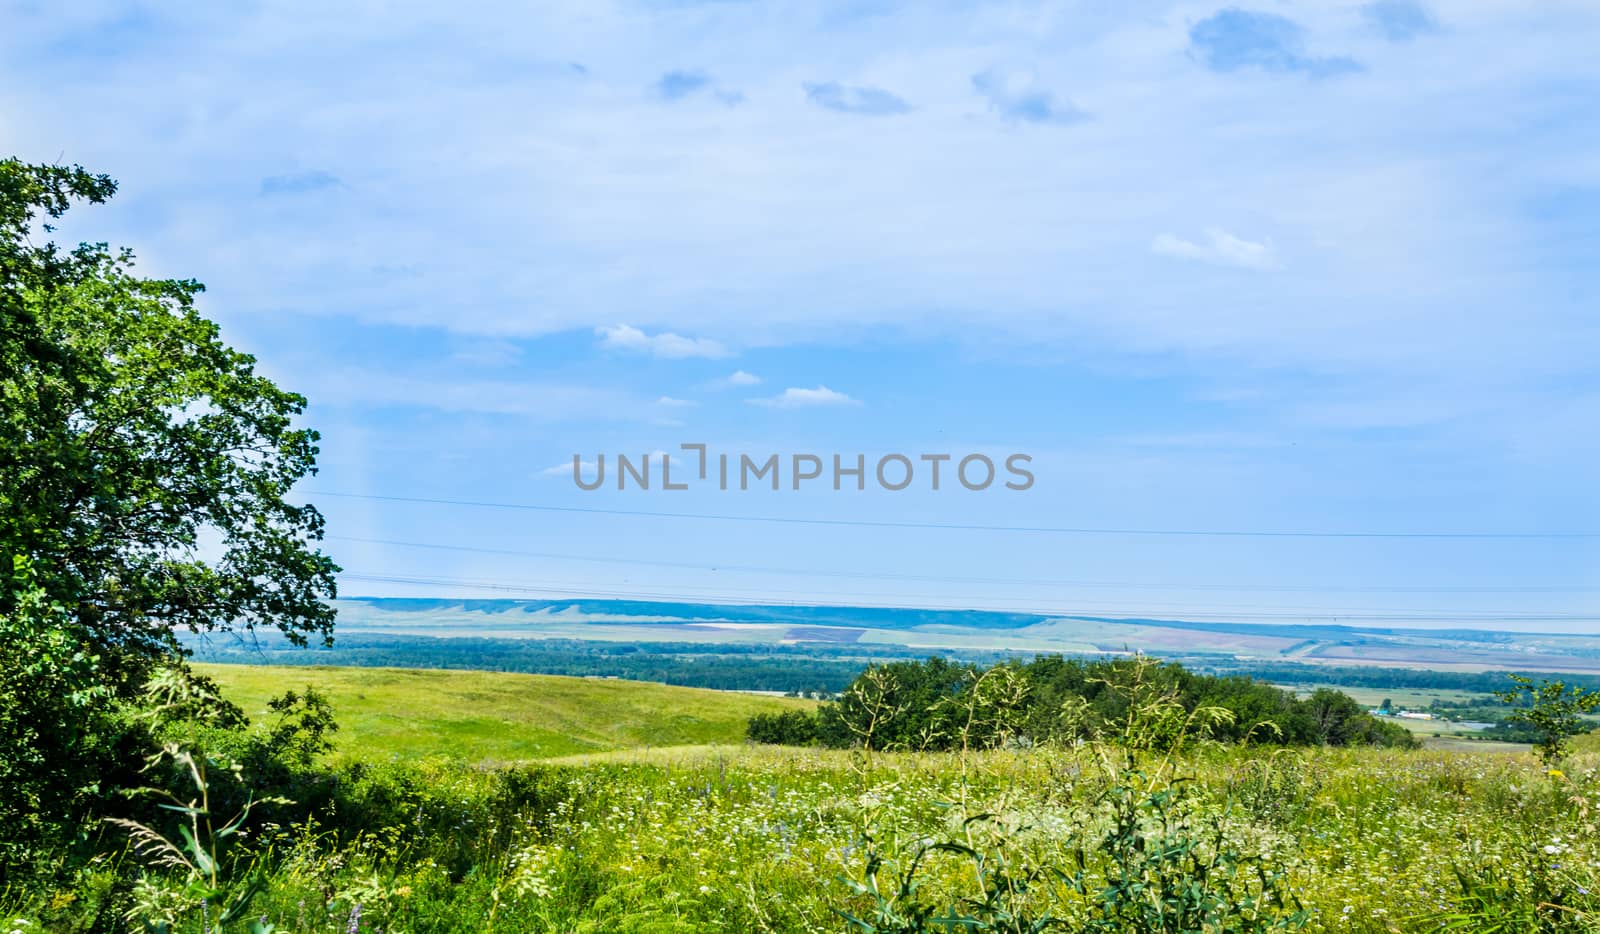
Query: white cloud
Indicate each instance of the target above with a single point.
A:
(672, 403)
(664, 344)
(735, 380)
(586, 469)
(1220, 248)
(794, 398)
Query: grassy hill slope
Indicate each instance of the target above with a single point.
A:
(496, 717)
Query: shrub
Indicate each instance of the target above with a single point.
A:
(56, 725)
(937, 705)
(789, 728)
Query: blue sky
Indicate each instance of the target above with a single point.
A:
(1281, 266)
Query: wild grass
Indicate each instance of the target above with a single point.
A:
(769, 839)
(495, 717)
(718, 838)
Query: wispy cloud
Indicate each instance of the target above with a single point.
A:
(1206, 440)
(674, 403)
(586, 469)
(543, 402)
(1235, 39)
(1016, 95)
(736, 380)
(868, 101)
(486, 354)
(298, 182)
(664, 344)
(795, 398)
(677, 85)
(1399, 20)
(1220, 248)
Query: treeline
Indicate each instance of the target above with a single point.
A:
(807, 668)
(686, 664)
(941, 705)
(1376, 677)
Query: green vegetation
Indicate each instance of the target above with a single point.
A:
(55, 722)
(809, 669)
(130, 437)
(488, 717)
(370, 636)
(1112, 835)
(128, 430)
(1387, 681)
(1465, 717)
(937, 705)
(1553, 710)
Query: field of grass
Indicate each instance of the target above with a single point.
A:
(1404, 698)
(764, 839)
(1435, 734)
(644, 813)
(491, 717)
(1467, 742)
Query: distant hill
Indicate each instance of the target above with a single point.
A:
(876, 631)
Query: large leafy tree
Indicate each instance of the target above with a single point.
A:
(144, 464)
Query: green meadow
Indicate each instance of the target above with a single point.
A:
(459, 801)
(488, 802)
(491, 717)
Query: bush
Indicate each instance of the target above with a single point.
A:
(937, 705)
(789, 728)
(56, 726)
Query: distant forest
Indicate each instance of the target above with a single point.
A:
(807, 668)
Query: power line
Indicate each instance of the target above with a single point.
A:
(1021, 582)
(968, 527)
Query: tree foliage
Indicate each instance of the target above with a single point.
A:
(1553, 710)
(789, 728)
(144, 464)
(1139, 703)
(144, 469)
(55, 714)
